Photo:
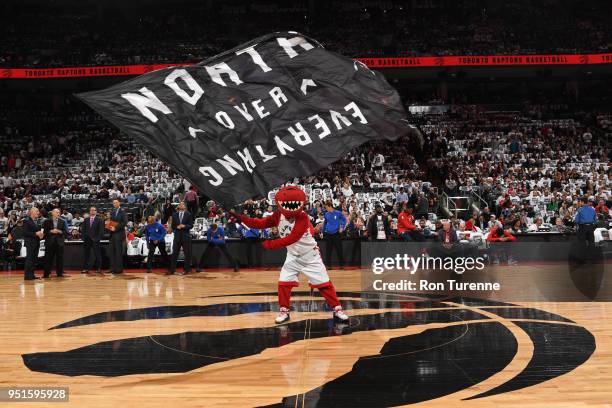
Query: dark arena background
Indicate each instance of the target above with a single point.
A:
(499, 166)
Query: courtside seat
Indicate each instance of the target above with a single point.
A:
(601, 235)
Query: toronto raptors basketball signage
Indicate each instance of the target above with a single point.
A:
(376, 62)
(254, 117)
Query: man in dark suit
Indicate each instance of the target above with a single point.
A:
(92, 230)
(32, 234)
(116, 244)
(55, 231)
(182, 222)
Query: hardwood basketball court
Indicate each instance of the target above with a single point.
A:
(209, 340)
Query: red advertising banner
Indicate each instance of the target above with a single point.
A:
(74, 72)
(391, 62)
(488, 60)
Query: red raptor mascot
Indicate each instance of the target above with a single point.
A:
(303, 254)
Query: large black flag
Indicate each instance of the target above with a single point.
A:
(250, 119)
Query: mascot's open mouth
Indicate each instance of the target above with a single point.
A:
(290, 205)
(290, 201)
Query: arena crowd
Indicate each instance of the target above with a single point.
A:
(520, 170)
(478, 169)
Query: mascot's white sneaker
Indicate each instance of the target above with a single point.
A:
(283, 315)
(340, 315)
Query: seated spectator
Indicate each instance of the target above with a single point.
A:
(155, 233)
(560, 227)
(602, 209)
(470, 224)
(216, 241)
(425, 227)
(499, 234)
(448, 241)
(447, 235)
(406, 228)
(517, 227)
(536, 226)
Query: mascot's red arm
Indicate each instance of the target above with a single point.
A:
(302, 222)
(260, 223)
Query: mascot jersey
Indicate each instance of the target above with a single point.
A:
(305, 242)
(297, 235)
(294, 227)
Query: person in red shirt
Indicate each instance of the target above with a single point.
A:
(496, 235)
(10, 164)
(602, 209)
(192, 201)
(405, 226)
(470, 223)
(506, 202)
(499, 234)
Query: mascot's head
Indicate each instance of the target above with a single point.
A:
(290, 201)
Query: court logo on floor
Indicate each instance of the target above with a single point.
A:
(460, 345)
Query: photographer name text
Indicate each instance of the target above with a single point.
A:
(425, 285)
